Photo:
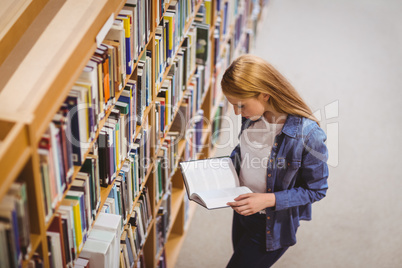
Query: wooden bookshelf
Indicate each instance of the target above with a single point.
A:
(45, 45)
(14, 150)
(15, 18)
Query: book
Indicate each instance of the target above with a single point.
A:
(82, 262)
(76, 221)
(8, 215)
(19, 191)
(212, 182)
(67, 216)
(124, 240)
(58, 241)
(109, 238)
(97, 252)
(55, 247)
(111, 223)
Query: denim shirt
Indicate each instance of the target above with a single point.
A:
(297, 174)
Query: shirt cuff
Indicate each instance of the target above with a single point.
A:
(281, 200)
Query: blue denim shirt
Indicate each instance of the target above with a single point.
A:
(297, 174)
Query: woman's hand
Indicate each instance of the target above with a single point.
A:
(248, 204)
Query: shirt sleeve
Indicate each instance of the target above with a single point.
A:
(313, 173)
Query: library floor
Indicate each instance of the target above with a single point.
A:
(344, 57)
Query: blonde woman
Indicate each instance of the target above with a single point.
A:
(281, 157)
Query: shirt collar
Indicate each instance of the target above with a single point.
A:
(289, 128)
(291, 125)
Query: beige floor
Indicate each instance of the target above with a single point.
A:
(344, 54)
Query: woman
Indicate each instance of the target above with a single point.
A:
(281, 157)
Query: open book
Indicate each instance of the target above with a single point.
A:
(212, 182)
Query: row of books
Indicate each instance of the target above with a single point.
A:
(165, 56)
(15, 242)
(105, 74)
(140, 219)
(115, 146)
(171, 116)
(109, 242)
(188, 122)
(217, 121)
(174, 21)
(162, 262)
(83, 196)
(163, 169)
(129, 248)
(138, 12)
(124, 248)
(108, 155)
(172, 89)
(163, 222)
(102, 245)
(204, 47)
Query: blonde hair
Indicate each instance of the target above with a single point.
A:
(249, 75)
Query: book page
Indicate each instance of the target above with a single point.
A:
(209, 174)
(218, 198)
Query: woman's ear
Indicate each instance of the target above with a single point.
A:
(265, 96)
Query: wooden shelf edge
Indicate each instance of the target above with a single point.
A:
(15, 22)
(14, 154)
(35, 242)
(175, 241)
(177, 200)
(191, 211)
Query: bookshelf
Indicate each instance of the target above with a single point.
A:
(44, 52)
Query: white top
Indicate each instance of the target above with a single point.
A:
(255, 146)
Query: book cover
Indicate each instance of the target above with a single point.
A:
(89, 169)
(80, 197)
(202, 43)
(112, 223)
(56, 231)
(97, 252)
(108, 237)
(66, 244)
(55, 249)
(67, 215)
(82, 184)
(19, 191)
(117, 33)
(125, 241)
(126, 18)
(76, 220)
(4, 252)
(103, 158)
(8, 215)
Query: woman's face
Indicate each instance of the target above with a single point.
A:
(252, 108)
